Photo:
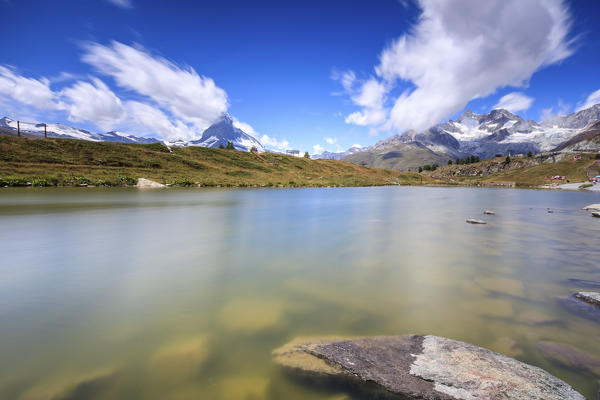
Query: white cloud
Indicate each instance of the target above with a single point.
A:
(317, 149)
(515, 101)
(247, 128)
(188, 96)
(356, 145)
(28, 91)
(121, 3)
(592, 99)
(459, 51)
(549, 115)
(272, 142)
(93, 102)
(330, 140)
(155, 120)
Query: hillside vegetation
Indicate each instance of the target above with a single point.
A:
(62, 162)
(518, 171)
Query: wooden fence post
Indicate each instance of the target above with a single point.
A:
(45, 132)
(18, 129)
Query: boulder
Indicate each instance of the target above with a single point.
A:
(476, 221)
(423, 367)
(592, 298)
(144, 183)
(592, 207)
(489, 212)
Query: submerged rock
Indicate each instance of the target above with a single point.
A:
(585, 283)
(424, 367)
(581, 308)
(475, 221)
(592, 298)
(570, 357)
(592, 207)
(144, 183)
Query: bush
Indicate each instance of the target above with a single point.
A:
(529, 154)
(420, 169)
(253, 149)
(127, 180)
(598, 156)
(507, 160)
(221, 146)
(306, 155)
(183, 182)
(4, 182)
(229, 146)
(449, 162)
(40, 182)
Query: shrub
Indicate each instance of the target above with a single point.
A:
(127, 180)
(507, 160)
(229, 146)
(253, 149)
(306, 155)
(221, 146)
(4, 182)
(598, 156)
(529, 154)
(420, 169)
(449, 162)
(40, 182)
(183, 182)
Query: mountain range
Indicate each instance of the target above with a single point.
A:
(216, 135)
(483, 135)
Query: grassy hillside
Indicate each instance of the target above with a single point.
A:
(77, 162)
(522, 171)
(400, 157)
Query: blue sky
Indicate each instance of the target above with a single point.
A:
(309, 75)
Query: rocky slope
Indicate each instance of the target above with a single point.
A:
(483, 135)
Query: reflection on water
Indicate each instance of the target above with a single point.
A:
(184, 293)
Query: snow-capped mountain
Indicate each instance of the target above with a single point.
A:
(68, 132)
(340, 154)
(223, 131)
(483, 135)
(217, 134)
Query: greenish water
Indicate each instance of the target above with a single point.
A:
(183, 294)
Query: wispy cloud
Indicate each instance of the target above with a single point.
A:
(592, 99)
(458, 51)
(330, 140)
(28, 91)
(515, 101)
(317, 149)
(121, 3)
(195, 99)
(94, 101)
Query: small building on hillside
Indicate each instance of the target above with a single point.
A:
(293, 153)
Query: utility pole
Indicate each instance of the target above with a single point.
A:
(45, 132)
(18, 129)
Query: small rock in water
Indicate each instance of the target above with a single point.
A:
(476, 221)
(550, 211)
(592, 298)
(424, 367)
(596, 214)
(489, 212)
(582, 308)
(592, 207)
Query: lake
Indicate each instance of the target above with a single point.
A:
(184, 293)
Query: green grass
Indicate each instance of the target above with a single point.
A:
(65, 162)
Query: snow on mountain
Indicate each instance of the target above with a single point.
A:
(223, 131)
(483, 135)
(217, 134)
(338, 155)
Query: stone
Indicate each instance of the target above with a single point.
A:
(489, 212)
(570, 357)
(592, 298)
(592, 207)
(144, 183)
(423, 367)
(581, 308)
(475, 221)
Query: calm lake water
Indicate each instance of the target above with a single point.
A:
(183, 294)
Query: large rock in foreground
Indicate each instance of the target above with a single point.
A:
(425, 367)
